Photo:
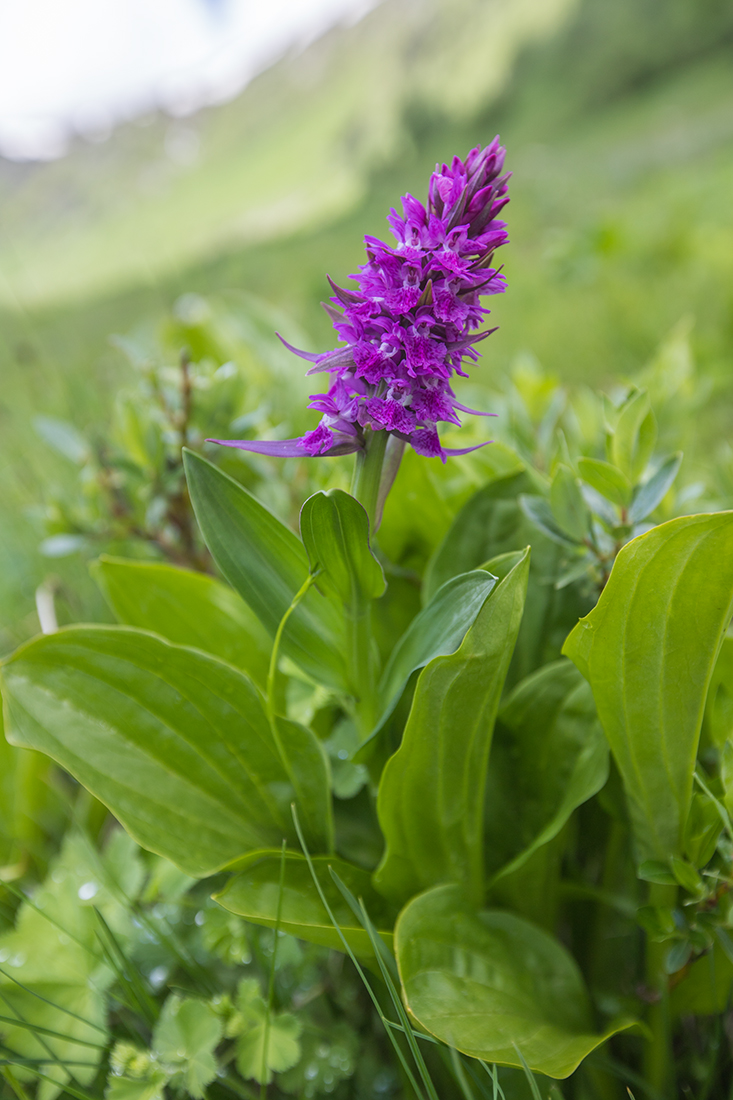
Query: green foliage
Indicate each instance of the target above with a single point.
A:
(648, 650)
(267, 564)
(493, 985)
(431, 793)
(440, 755)
(254, 892)
(176, 743)
(186, 608)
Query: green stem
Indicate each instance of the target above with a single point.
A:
(275, 653)
(272, 675)
(658, 1059)
(362, 668)
(368, 474)
(271, 984)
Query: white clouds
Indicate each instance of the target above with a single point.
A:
(82, 65)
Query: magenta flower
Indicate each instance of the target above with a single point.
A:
(411, 325)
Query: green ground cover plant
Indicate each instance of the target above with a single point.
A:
(428, 797)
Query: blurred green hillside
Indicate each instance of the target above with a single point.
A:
(618, 119)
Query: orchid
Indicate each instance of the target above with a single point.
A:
(411, 325)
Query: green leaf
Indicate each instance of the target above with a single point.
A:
(491, 524)
(256, 1026)
(335, 532)
(568, 507)
(185, 1038)
(648, 650)
(493, 985)
(487, 525)
(706, 988)
(653, 491)
(654, 870)
(431, 796)
(704, 826)
(254, 891)
(53, 974)
(267, 565)
(718, 720)
(186, 608)
(436, 631)
(549, 756)
(283, 1047)
(606, 479)
(538, 511)
(174, 742)
(135, 1074)
(149, 1087)
(686, 876)
(635, 435)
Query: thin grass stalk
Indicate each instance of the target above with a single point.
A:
(271, 982)
(347, 948)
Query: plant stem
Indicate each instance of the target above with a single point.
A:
(368, 474)
(658, 1059)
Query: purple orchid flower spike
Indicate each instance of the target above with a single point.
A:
(411, 324)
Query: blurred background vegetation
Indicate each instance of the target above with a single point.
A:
(201, 236)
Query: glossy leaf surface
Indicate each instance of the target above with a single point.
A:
(175, 743)
(648, 650)
(490, 982)
(436, 631)
(267, 565)
(549, 756)
(431, 795)
(186, 608)
(254, 890)
(335, 532)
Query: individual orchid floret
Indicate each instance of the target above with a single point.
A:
(411, 325)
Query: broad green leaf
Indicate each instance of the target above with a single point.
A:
(568, 507)
(335, 532)
(634, 437)
(606, 479)
(253, 893)
(267, 565)
(493, 985)
(175, 743)
(548, 757)
(436, 631)
(431, 796)
(487, 525)
(648, 650)
(186, 608)
(539, 512)
(653, 491)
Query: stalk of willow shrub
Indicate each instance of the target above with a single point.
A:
(408, 329)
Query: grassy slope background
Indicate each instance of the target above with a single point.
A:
(619, 124)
